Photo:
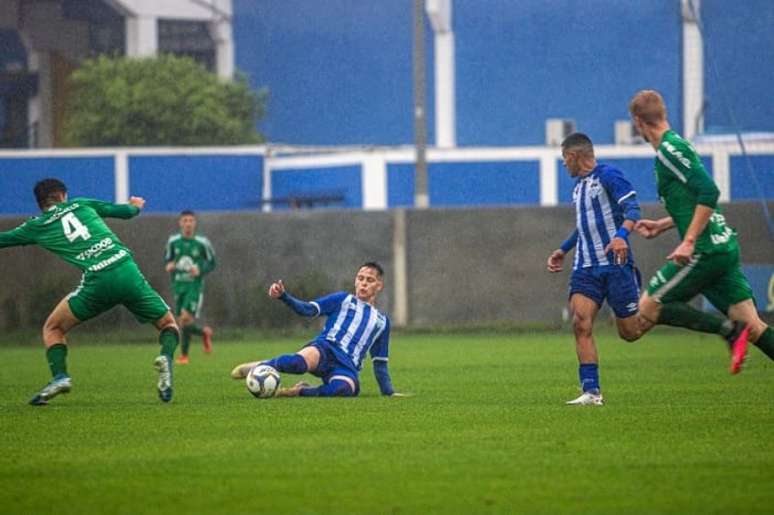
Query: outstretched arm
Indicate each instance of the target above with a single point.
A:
(124, 211)
(14, 237)
(305, 309)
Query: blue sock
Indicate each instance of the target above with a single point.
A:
(291, 363)
(589, 377)
(335, 388)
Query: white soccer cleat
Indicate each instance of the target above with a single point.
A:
(241, 371)
(163, 366)
(587, 399)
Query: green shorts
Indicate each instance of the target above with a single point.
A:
(124, 284)
(188, 297)
(718, 277)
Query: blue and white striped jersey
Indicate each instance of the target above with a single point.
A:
(603, 200)
(353, 327)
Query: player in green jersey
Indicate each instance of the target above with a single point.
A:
(707, 260)
(74, 231)
(189, 257)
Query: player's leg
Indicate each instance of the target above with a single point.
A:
(733, 295)
(623, 292)
(761, 335)
(586, 296)
(189, 305)
(55, 329)
(308, 359)
(184, 320)
(169, 336)
(338, 381)
(147, 306)
(666, 300)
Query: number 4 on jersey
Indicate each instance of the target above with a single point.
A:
(73, 228)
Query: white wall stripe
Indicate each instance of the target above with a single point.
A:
(374, 182)
(721, 173)
(121, 175)
(549, 181)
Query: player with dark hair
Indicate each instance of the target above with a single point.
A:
(603, 269)
(188, 258)
(707, 260)
(75, 231)
(353, 327)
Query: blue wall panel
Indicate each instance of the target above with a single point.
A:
(519, 63)
(338, 71)
(468, 183)
(639, 171)
(84, 176)
(745, 186)
(738, 68)
(343, 181)
(347, 77)
(203, 182)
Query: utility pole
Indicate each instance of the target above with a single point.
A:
(421, 198)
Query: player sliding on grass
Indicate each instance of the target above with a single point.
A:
(188, 258)
(707, 259)
(606, 211)
(354, 326)
(74, 231)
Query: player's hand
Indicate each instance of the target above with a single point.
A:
(620, 248)
(555, 261)
(647, 228)
(276, 289)
(682, 254)
(137, 202)
(170, 266)
(194, 271)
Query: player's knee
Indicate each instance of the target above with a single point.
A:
(338, 388)
(629, 334)
(342, 389)
(582, 324)
(167, 322)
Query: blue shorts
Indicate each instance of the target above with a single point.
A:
(620, 285)
(330, 366)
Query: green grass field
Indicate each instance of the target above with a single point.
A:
(486, 431)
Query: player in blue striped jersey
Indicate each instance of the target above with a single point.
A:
(606, 210)
(353, 328)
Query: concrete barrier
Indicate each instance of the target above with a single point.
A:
(463, 266)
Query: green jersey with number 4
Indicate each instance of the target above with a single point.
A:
(683, 183)
(74, 231)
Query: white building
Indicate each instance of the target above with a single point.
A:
(43, 41)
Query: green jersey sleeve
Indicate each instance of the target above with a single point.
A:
(18, 236)
(680, 158)
(209, 263)
(110, 210)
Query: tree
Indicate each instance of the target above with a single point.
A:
(164, 100)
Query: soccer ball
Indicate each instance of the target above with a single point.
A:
(263, 381)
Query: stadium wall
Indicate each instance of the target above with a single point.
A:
(257, 178)
(462, 266)
(346, 77)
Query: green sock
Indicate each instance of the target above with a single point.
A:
(194, 329)
(57, 359)
(766, 342)
(680, 314)
(185, 342)
(168, 339)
